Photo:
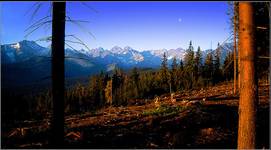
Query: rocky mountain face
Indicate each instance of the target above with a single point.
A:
(28, 62)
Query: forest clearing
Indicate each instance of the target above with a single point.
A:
(203, 118)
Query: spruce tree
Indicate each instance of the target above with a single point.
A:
(198, 63)
(164, 74)
(174, 75)
(217, 71)
(189, 66)
(135, 76)
(117, 83)
(228, 67)
(180, 75)
(209, 67)
(135, 80)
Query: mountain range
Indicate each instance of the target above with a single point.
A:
(28, 62)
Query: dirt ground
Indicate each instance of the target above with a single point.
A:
(205, 118)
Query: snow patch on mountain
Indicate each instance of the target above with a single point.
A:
(16, 46)
(127, 56)
(138, 57)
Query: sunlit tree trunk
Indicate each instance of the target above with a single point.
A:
(237, 46)
(248, 89)
(234, 52)
(58, 74)
(239, 78)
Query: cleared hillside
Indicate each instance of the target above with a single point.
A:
(203, 118)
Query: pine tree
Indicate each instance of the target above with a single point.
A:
(164, 74)
(174, 74)
(189, 66)
(181, 65)
(217, 70)
(94, 89)
(228, 67)
(117, 83)
(189, 57)
(198, 63)
(108, 93)
(135, 80)
(101, 86)
(209, 67)
(135, 76)
(234, 27)
(180, 75)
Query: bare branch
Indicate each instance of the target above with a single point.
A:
(80, 41)
(89, 7)
(229, 38)
(34, 24)
(38, 25)
(49, 38)
(264, 57)
(45, 21)
(225, 68)
(70, 46)
(81, 21)
(36, 11)
(37, 28)
(80, 26)
(70, 57)
(31, 8)
(50, 9)
(47, 27)
(73, 42)
(263, 28)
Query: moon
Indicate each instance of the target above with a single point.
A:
(180, 19)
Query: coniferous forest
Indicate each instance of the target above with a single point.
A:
(121, 88)
(206, 99)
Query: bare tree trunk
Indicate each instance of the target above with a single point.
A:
(239, 66)
(58, 74)
(234, 52)
(248, 90)
(238, 51)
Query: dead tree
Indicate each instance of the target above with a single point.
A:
(58, 74)
(248, 87)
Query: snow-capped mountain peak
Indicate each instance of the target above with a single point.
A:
(21, 51)
(116, 49)
(16, 46)
(128, 48)
(127, 56)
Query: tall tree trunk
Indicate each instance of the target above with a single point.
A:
(248, 89)
(234, 52)
(238, 52)
(58, 74)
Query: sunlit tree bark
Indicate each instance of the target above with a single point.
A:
(248, 87)
(234, 53)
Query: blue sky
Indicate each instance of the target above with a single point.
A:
(141, 25)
